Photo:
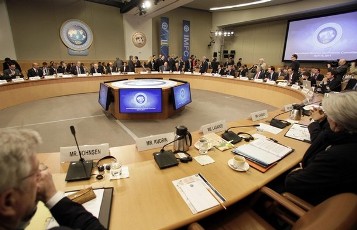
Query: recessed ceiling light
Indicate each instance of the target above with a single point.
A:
(240, 5)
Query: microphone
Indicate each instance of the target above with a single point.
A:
(78, 170)
(282, 124)
(163, 147)
(73, 131)
(166, 159)
(233, 137)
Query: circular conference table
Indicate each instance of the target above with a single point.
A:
(148, 194)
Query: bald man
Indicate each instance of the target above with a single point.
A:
(35, 71)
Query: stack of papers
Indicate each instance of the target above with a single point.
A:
(198, 194)
(204, 159)
(218, 142)
(299, 132)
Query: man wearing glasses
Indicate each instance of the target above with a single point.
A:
(24, 182)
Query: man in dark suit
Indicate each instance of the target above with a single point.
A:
(316, 75)
(204, 65)
(230, 71)
(8, 62)
(96, 69)
(214, 65)
(188, 67)
(53, 69)
(111, 68)
(164, 67)
(35, 71)
(131, 66)
(330, 83)
(271, 75)
(77, 69)
(11, 73)
(30, 182)
(260, 74)
(124, 68)
(340, 70)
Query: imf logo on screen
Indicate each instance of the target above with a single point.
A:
(182, 93)
(140, 98)
(327, 35)
(76, 35)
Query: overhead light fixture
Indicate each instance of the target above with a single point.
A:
(239, 5)
(225, 33)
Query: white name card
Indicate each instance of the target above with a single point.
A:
(60, 74)
(258, 80)
(296, 87)
(95, 74)
(176, 72)
(207, 74)
(66, 75)
(284, 84)
(154, 72)
(50, 77)
(270, 82)
(259, 115)
(214, 127)
(230, 76)
(131, 72)
(288, 107)
(115, 73)
(244, 78)
(155, 141)
(17, 80)
(187, 73)
(216, 75)
(88, 152)
(143, 72)
(3, 82)
(83, 75)
(166, 72)
(305, 90)
(34, 78)
(196, 73)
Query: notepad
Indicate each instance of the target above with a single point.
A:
(263, 151)
(299, 132)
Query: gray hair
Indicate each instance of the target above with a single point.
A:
(342, 108)
(17, 147)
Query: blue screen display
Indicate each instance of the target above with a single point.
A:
(104, 96)
(182, 95)
(140, 100)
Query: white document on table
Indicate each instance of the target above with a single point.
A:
(204, 159)
(269, 128)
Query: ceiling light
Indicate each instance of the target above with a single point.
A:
(240, 5)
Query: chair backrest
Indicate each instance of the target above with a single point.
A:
(337, 212)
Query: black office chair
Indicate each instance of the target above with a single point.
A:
(337, 212)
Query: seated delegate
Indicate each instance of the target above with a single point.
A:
(329, 165)
(25, 182)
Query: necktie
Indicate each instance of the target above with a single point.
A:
(257, 75)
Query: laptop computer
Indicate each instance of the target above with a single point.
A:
(79, 170)
(307, 84)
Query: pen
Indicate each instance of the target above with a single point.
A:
(213, 189)
(272, 139)
(220, 202)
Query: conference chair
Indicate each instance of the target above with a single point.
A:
(337, 212)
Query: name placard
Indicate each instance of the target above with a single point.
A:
(176, 72)
(131, 72)
(143, 72)
(115, 73)
(296, 87)
(17, 80)
(154, 72)
(50, 77)
(214, 127)
(270, 82)
(66, 75)
(259, 115)
(60, 74)
(216, 75)
(34, 78)
(187, 73)
(207, 74)
(155, 141)
(230, 76)
(166, 72)
(305, 91)
(258, 80)
(284, 84)
(288, 107)
(3, 82)
(82, 75)
(244, 78)
(88, 152)
(95, 74)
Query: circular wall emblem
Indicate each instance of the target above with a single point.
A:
(76, 35)
(327, 35)
(186, 28)
(139, 39)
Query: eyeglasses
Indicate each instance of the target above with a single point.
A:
(41, 167)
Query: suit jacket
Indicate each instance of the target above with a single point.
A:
(163, 68)
(272, 77)
(122, 70)
(330, 170)
(9, 75)
(204, 67)
(70, 214)
(52, 71)
(261, 75)
(61, 69)
(92, 70)
(131, 67)
(188, 67)
(231, 72)
(33, 73)
(74, 70)
(333, 85)
(110, 70)
(340, 71)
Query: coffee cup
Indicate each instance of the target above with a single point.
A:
(238, 161)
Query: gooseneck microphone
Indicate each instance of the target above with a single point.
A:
(79, 170)
(176, 139)
(232, 136)
(73, 131)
